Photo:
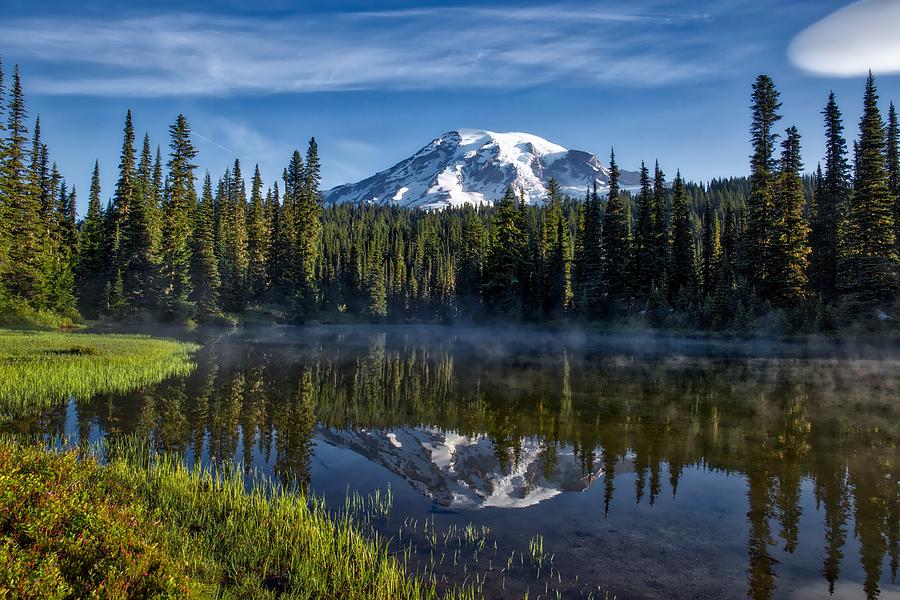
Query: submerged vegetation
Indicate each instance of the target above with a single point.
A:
(39, 369)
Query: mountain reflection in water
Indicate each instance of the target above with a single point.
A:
(473, 421)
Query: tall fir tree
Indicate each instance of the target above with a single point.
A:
(133, 255)
(375, 279)
(616, 239)
(710, 253)
(682, 268)
(60, 282)
(830, 205)
(660, 226)
(765, 107)
(22, 273)
(257, 240)
(578, 302)
(234, 259)
(279, 264)
(871, 252)
(4, 199)
(892, 156)
(181, 198)
(92, 258)
(553, 264)
(151, 196)
(790, 231)
(644, 248)
(730, 243)
(502, 292)
(205, 281)
(308, 231)
(469, 275)
(592, 262)
(561, 267)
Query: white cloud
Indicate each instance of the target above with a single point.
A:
(436, 48)
(862, 36)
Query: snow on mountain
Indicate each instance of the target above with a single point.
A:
(475, 167)
(464, 471)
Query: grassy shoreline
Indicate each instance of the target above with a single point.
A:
(40, 369)
(144, 526)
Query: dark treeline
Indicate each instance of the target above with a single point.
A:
(807, 252)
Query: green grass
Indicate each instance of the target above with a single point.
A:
(144, 526)
(24, 317)
(40, 369)
(69, 529)
(141, 527)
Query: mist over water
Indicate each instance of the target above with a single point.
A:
(649, 465)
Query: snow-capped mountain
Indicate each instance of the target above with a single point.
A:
(475, 167)
(464, 471)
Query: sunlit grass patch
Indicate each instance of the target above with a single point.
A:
(69, 529)
(40, 369)
(146, 526)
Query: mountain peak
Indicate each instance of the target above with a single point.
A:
(475, 166)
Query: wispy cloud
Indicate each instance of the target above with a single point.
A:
(852, 40)
(432, 48)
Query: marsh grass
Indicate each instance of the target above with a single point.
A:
(144, 525)
(40, 369)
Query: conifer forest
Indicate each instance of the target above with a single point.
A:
(168, 243)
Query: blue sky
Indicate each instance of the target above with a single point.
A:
(376, 81)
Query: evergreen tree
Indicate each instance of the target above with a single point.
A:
(91, 270)
(123, 197)
(616, 239)
(61, 281)
(871, 253)
(468, 278)
(790, 232)
(762, 176)
(280, 257)
(644, 258)
(4, 200)
(730, 242)
(682, 274)
(554, 270)
(257, 240)
(151, 196)
(375, 282)
(578, 303)
(133, 257)
(42, 186)
(592, 262)
(710, 249)
(181, 198)
(204, 268)
(234, 259)
(892, 155)
(308, 228)
(831, 203)
(501, 291)
(22, 273)
(660, 226)
(561, 267)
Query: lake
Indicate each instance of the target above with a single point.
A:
(635, 465)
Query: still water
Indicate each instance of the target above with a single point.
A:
(639, 466)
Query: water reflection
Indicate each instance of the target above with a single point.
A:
(472, 425)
